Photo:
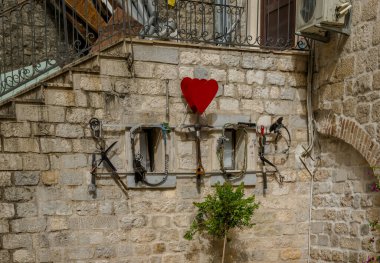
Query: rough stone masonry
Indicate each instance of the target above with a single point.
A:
(47, 214)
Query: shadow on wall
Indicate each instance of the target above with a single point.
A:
(343, 206)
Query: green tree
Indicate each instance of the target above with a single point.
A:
(225, 209)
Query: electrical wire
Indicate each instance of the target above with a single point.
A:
(137, 158)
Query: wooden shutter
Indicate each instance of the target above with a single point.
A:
(277, 22)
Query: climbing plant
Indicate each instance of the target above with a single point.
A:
(222, 211)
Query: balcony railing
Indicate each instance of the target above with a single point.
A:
(40, 36)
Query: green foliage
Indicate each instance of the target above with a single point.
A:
(225, 209)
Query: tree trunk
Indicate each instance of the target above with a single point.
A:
(224, 246)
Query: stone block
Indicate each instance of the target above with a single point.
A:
(83, 145)
(143, 235)
(23, 256)
(218, 74)
(71, 161)
(186, 72)
(247, 179)
(60, 208)
(190, 57)
(349, 107)
(133, 221)
(90, 222)
(254, 76)
(14, 241)
(168, 55)
(317, 227)
(287, 93)
(235, 75)
(341, 229)
(258, 62)
(297, 80)
(350, 243)
(80, 253)
(26, 178)
(260, 92)
(369, 10)
(49, 177)
(5, 179)
(28, 225)
(218, 120)
(166, 72)
(4, 228)
(229, 104)
(339, 176)
(35, 162)
(38, 113)
(210, 59)
(105, 252)
(143, 69)
(15, 194)
(114, 67)
(49, 255)
(69, 130)
(59, 97)
(10, 161)
(21, 145)
(286, 64)
(26, 209)
(71, 177)
(275, 78)
(363, 113)
(158, 248)
(231, 60)
(375, 114)
(4, 256)
(253, 105)
(291, 254)
(201, 73)
(170, 182)
(279, 108)
(150, 87)
(244, 91)
(160, 221)
(92, 82)
(79, 115)
(15, 129)
(7, 210)
(57, 223)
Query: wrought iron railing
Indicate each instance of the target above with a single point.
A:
(39, 36)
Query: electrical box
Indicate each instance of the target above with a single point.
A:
(315, 18)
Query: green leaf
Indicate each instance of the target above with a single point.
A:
(225, 209)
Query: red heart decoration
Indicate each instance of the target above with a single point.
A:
(199, 93)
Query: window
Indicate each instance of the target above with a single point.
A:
(278, 21)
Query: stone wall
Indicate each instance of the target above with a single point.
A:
(47, 214)
(348, 81)
(343, 206)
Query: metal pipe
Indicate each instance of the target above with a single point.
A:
(125, 174)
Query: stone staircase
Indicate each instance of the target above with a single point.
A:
(47, 91)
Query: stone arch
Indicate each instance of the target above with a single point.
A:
(351, 132)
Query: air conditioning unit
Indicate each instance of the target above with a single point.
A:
(314, 18)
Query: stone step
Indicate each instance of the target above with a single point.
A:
(29, 101)
(7, 116)
(7, 111)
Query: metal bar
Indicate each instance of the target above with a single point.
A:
(107, 175)
(81, 24)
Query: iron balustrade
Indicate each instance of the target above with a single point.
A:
(40, 36)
